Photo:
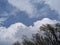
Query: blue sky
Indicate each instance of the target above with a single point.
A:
(16, 16)
(28, 13)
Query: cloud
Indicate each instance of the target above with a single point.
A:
(3, 17)
(54, 4)
(16, 31)
(4, 13)
(22, 5)
(34, 8)
(27, 6)
(2, 20)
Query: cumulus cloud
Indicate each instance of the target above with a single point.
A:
(16, 31)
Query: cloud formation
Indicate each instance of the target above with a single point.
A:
(54, 4)
(16, 31)
(3, 17)
(22, 5)
(28, 6)
(35, 8)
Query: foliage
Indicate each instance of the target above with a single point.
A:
(16, 43)
(52, 36)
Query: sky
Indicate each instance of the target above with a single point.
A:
(23, 17)
(54, 4)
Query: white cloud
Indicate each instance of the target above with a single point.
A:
(43, 22)
(54, 4)
(2, 20)
(3, 17)
(17, 30)
(29, 7)
(23, 5)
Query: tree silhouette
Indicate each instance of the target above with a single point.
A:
(16, 43)
(52, 36)
(51, 32)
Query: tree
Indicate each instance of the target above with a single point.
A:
(16, 43)
(51, 32)
(52, 36)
